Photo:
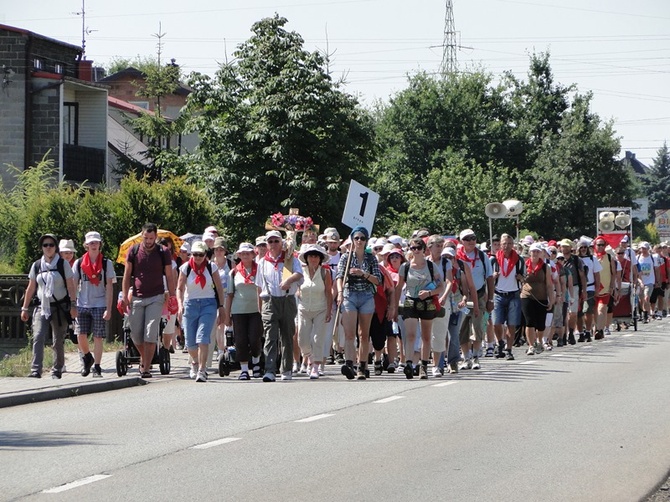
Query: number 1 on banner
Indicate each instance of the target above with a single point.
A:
(361, 206)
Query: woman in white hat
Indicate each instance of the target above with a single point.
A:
(199, 293)
(242, 311)
(315, 307)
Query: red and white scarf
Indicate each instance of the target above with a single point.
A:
(93, 270)
(199, 271)
(249, 278)
(511, 262)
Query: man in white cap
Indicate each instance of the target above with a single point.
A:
(279, 276)
(93, 276)
(482, 276)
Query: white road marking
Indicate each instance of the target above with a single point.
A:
(212, 444)
(314, 418)
(557, 355)
(528, 362)
(444, 384)
(388, 399)
(626, 336)
(75, 484)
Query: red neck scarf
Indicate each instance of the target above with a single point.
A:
(511, 262)
(199, 271)
(93, 270)
(280, 259)
(529, 266)
(249, 278)
(463, 256)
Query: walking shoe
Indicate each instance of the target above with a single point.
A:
(391, 368)
(599, 334)
(296, 368)
(436, 372)
(34, 374)
(269, 377)
(453, 368)
(321, 371)
(510, 356)
(530, 351)
(538, 348)
(314, 374)
(607, 331)
(348, 371)
(378, 368)
(339, 357)
(571, 338)
(56, 375)
(193, 372)
(409, 371)
(489, 352)
(560, 342)
(416, 370)
(88, 362)
(475, 364)
(201, 376)
(501, 351)
(423, 372)
(287, 375)
(97, 371)
(548, 346)
(303, 369)
(466, 364)
(361, 375)
(587, 334)
(256, 372)
(581, 338)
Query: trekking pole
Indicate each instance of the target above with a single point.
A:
(344, 281)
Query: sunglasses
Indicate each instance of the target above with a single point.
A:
(48, 244)
(273, 241)
(378, 248)
(469, 238)
(198, 255)
(415, 248)
(395, 256)
(360, 238)
(600, 245)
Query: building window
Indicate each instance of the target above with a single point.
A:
(37, 64)
(70, 123)
(141, 104)
(58, 68)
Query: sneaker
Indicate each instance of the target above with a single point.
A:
(607, 332)
(423, 372)
(599, 334)
(314, 374)
(510, 356)
(339, 358)
(193, 372)
(269, 377)
(560, 342)
(548, 346)
(408, 370)
(244, 376)
(295, 368)
(201, 376)
(97, 371)
(571, 339)
(466, 364)
(88, 362)
(361, 375)
(391, 368)
(538, 348)
(530, 351)
(453, 368)
(489, 352)
(330, 360)
(475, 364)
(378, 368)
(436, 372)
(501, 352)
(56, 375)
(287, 375)
(581, 338)
(34, 374)
(348, 371)
(171, 349)
(587, 334)
(256, 372)
(303, 369)
(321, 371)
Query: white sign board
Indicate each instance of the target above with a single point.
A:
(642, 214)
(361, 207)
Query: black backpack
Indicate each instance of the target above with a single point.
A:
(77, 264)
(60, 267)
(209, 269)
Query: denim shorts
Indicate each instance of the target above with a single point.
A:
(359, 301)
(199, 318)
(507, 309)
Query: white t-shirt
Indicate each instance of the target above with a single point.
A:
(647, 272)
(594, 266)
(195, 291)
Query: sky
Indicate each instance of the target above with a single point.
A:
(618, 50)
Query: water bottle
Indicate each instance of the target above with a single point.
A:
(465, 310)
(395, 328)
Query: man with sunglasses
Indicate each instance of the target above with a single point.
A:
(279, 276)
(609, 285)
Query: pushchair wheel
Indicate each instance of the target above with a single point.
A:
(224, 365)
(164, 361)
(121, 364)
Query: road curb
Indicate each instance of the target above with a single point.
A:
(72, 390)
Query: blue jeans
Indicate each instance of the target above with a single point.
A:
(199, 319)
(507, 309)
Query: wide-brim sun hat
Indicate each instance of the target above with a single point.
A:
(311, 248)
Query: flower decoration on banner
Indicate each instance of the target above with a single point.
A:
(291, 221)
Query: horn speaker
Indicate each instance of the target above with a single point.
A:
(514, 207)
(606, 226)
(495, 210)
(622, 220)
(606, 216)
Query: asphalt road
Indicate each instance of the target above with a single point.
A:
(589, 422)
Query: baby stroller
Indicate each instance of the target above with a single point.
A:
(130, 355)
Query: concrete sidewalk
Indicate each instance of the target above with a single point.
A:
(15, 391)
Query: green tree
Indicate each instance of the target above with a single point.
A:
(657, 182)
(276, 132)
